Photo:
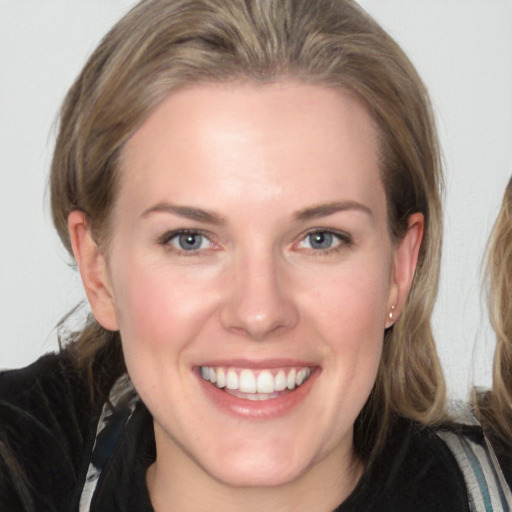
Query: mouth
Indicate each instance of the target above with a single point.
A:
(256, 385)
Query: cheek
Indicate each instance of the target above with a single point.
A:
(348, 309)
(351, 303)
(347, 315)
(158, 309)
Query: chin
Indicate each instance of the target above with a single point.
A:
(258, 472)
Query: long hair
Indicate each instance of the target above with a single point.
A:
(494, 408)
(162, 45)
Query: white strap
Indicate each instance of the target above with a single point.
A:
(486, 485)
(122, 392)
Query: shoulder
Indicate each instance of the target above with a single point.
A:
(414, 471)
(48, 391)
(47, 374)
(485, 482)
(420, 469)
(46, 421)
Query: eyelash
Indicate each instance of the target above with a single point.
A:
(344, 240)
(165, 240)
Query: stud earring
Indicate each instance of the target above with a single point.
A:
(391, 313)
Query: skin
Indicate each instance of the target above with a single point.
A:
(260, 158)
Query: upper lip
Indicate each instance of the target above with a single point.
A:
(257, 364)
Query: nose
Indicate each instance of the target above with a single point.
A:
(258, 301)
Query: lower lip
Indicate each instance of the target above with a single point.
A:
(258, 409)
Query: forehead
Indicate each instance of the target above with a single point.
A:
(285, 138)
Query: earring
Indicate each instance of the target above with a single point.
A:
(391, 321)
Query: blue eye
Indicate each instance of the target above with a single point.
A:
(324, 240)
(186, 241)
(320, 240)
(189, 241)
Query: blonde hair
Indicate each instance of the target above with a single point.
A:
(494, 408)
(161, 45)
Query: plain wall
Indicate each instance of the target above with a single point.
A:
(462, 49)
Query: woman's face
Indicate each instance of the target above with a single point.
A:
(251, 275)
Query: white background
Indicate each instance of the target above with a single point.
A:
(463, 50)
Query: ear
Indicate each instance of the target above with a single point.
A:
(404, 266)
(93, 270)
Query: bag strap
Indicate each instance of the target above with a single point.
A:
(114, 416)
(486, 485)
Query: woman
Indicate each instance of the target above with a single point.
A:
(251, 193)
(494, 408)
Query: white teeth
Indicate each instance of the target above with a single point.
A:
(265, 382)
(247, 381)
(301, 376)
(280, 381)
(231, 379)
(290, 379)
(261, 385)
(221, 377)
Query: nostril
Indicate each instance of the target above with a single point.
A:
(260, 326)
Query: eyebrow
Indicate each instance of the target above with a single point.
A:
(200, 215)
(188, 212)
(324, 210)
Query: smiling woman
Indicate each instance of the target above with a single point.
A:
(295, 269)
(250, 190)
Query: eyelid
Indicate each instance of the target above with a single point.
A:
(165, 239)
(344, 239)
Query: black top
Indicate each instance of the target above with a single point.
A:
(503, 453)
(48, 426)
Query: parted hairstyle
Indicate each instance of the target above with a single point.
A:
(162, 45)
(494, 408)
